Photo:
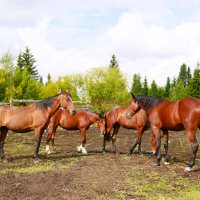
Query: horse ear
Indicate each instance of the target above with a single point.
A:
(133, 96)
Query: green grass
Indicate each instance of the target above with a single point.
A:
(155, 186)
(40, 167)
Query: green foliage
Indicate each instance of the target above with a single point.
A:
(113, 62)
(145, 86)
(67, 84)
(153, 91)
(106, 87)
(26, 61)
(194, 85)
(179, 91)
(167, 87)
(136, 85)
(7, 67)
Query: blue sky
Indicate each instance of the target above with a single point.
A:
(149, 37)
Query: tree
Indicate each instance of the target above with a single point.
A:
(167, 87)
(194, 85)
(26, 61)
(106, 87)
(154, 89)
(25, 86)
(179, 91)
(145, 86)
(183, 74)
(113, 62)
(136, 85)
(8, 68)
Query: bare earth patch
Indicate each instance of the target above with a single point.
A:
(67, 174)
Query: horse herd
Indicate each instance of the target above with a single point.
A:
(142, 113)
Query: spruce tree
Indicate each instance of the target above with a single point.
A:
(113, 62)
(145, 86)
(194, 85)
(136, 85)
(27, 61)
(167, 87)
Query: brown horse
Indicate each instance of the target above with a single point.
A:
(116, 117)
(34, 117)
(81, 121)
(167, 115)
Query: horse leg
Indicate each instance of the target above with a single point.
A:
(38, 137)
(114, 137)
(50, 137)
(194, 146)
(82, 147)
(104, 144)
(137, 141)
(166, 136)
(3, 135)
(156, 133)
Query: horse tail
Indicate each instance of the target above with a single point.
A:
(107, 135)
(147, 125)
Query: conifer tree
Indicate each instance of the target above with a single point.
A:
(145, 86)
(136, 85)
(113, 62)
(27, 61)
(167, 87)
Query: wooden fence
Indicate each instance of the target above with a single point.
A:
(78, 104)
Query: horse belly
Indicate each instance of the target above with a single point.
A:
(17, 124)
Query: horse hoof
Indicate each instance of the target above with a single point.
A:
(84, 151)
(37, 160)
(166, 163)
(79, 148)
(188, 169)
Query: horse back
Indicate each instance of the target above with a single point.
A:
(71, 122)
(118, 115)
(189, 111)
(20, 119)
(176, 115)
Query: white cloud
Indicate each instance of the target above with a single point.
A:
(151, 39)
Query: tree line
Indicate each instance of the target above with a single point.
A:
(103, 87)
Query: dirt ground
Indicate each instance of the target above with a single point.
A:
(68, 174)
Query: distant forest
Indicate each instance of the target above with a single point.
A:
(102, 87)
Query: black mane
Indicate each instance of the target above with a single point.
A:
(147, 101)
(46, 103)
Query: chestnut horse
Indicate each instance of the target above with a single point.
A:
(115, 118)
(34, 117)
(167, 115)
(81, 121)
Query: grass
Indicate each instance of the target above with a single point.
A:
(42, 166)
(155, 186)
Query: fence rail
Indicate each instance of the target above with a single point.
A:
(78, 104)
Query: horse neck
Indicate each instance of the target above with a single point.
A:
(54, 108)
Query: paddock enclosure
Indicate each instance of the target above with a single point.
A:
(68, 174)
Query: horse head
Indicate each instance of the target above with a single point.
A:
(66, 102)
(102, 124)
(133, 108)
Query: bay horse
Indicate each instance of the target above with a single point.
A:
(167, 115)
(115, 118)
(34, 117)
(81, 121)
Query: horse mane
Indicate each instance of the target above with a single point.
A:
(46, 103)
(147, 101)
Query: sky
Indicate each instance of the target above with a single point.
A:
(152, 38)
